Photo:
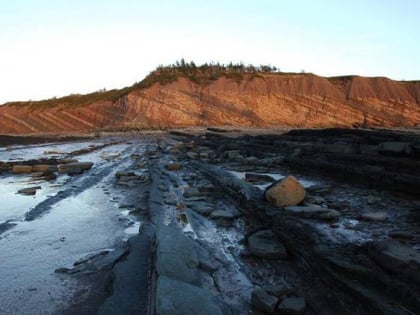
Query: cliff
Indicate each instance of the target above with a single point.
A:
(252, 100)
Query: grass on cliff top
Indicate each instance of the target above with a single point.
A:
(202, 75)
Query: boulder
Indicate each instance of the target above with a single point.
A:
(286, 192)
(292, 306)
(313, 211)
(266, 245)
(22, 169)
(263, 301)
(222, 217)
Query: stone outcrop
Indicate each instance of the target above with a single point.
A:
(294, 100)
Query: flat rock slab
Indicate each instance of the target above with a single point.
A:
(266, 245)
(313, 211)
(130, 282)
(176, 297)
(176, 255)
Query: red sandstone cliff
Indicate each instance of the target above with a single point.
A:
(295, 100)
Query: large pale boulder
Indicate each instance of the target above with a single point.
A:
(286, 192)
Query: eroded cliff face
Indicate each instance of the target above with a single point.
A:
(294, 100)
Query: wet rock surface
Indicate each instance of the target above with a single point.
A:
(207, 240)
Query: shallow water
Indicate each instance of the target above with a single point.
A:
(87, 221)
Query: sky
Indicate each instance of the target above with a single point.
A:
(52, 48)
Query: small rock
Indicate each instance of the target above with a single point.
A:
(374, 216)
(266, 245)
(29, 191)
(202, 208)
(44, 168)
(74, 172)
(84, 166)
(37, 174)
(292, 306)
(21, 169)
(286, 192)
(279, 290)
(192, 155)
(316, 200)
(124, 174)
(191, 192)
(171, 200)
(233, 154)
(222, 217)
(263, 301)
(174, 166)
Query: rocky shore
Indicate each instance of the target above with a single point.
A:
(349, 245)
(300, 222)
